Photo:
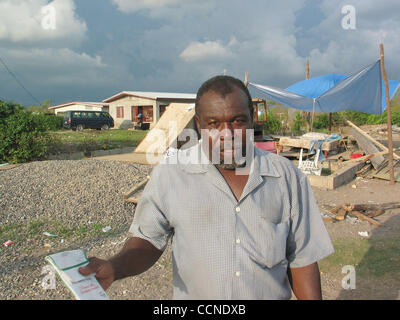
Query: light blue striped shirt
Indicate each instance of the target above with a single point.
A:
(228, 249)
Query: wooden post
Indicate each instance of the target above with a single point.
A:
(307, 70)
(307, 115)
(389, 115)
(265, 110)
(246, 79)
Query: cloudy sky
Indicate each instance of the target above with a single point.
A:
(88, 50)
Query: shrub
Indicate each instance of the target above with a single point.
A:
(272, 125)
(321, 121)
(298, 124)
(23, 136)
(51, 122)
(358, 118)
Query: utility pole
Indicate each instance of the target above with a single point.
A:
(389, 115)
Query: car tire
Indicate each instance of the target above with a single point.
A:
(80, 127)
(105, 127)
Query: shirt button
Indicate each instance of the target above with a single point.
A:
(237, 241)
(237, 209)
(237, 273)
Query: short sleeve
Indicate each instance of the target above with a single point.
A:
(308, 239)
(150, 222)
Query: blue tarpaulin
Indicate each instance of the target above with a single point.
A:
(362, 91)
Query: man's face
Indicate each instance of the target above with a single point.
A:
(226, 120)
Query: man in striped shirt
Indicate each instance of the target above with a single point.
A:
(246, 228)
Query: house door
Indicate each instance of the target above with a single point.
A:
(134, 113)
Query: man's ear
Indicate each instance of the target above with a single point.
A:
(198, 127)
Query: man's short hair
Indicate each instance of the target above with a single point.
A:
(222, 85)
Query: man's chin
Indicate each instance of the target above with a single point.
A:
(231, 166)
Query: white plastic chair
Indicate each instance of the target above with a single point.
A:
(308, 166)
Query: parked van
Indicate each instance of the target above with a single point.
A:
(79, 120)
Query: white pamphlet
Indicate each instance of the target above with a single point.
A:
(66, 264)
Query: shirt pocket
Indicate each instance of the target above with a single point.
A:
(270, 243)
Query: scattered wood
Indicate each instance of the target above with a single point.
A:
(329, 219)
(362, 211)
(341, 214)
(372, 206)
(364, 171)
(375, 213)
(363, 217)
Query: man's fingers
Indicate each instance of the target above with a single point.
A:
(92, 267)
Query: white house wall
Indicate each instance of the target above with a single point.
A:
(128, 103)
(77, 107)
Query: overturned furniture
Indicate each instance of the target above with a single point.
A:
(308, 166)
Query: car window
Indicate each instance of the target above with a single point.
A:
(76, 115)
(97, 114)
(84, 114)
(91, 115)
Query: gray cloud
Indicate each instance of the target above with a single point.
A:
(176, 45)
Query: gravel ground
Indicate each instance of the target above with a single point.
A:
(86, 193)
(70, 195)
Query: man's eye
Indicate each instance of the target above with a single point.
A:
(212, 123)
(238, 121)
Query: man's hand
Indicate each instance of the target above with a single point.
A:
(136, 257)
(103, 269)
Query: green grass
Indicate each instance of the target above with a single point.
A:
(372, 258)
(90, 140)
(110, 136)
(34, 231)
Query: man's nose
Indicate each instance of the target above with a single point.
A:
(226, 131)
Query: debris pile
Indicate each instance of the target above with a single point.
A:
(363, 212)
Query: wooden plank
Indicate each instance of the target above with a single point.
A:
(133, 200)
(9, 166)
(368, 147)
(136, 188)
(180, 115)
(306, 143)
(363, 217)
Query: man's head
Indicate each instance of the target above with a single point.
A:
(223, 85)
(224, 108)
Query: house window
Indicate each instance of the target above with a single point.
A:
(120, 112)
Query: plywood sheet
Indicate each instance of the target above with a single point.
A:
(170, 125)
(368, 147)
